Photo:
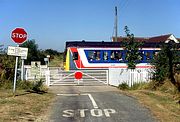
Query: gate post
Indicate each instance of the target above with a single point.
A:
(107, 77)
(47, 77)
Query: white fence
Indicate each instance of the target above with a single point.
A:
(122, 75)
(33, 74)
(113, 76)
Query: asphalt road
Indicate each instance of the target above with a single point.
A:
(96, 104)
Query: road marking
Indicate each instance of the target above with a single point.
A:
(96, 112)
(107, 112)
(89, 95)
(93, 112)
(82, 112)
(93, 101)
(68, 94)
(68, 113)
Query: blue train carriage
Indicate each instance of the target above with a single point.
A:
(104, 55)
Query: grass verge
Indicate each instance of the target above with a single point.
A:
(163, 102)
(25, 106)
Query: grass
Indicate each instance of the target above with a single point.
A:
(57, 61)
(25, 106)
(163, 102)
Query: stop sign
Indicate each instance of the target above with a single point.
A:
(19, 35)
(78, 75)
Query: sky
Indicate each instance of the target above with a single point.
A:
(53, 22)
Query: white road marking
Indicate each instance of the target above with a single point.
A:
(107, 112)
(68, 113)
(82, 112)
(96, 112)
(93, 101)
(68, 94)
(93, 112)
(89, 95)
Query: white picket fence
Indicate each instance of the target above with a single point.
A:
(130, 76)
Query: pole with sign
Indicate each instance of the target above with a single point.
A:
(19, 36)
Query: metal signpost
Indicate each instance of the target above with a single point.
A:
(19, 36)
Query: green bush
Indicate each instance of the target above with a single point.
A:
(123, 86)
(32, 86)
(6, 84)
(138, 86)
(39, 87)
(26, 85)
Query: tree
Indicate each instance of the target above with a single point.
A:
(7, 64)
(51, 52)
(1, 49)
(33, 53)
(132, 49)
(164, 64)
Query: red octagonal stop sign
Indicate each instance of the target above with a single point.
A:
(19, 35)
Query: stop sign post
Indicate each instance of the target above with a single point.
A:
(19, 36)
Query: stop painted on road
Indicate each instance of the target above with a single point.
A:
(94, 112)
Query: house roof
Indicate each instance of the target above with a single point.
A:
(155, 39)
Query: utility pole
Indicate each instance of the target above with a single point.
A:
(116, 25)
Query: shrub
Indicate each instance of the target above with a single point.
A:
(123, 86)
(39, 87)
(27, 85)
(138, 86)
(33, 86)
(6, 84)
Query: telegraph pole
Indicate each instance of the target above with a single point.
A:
(116, 24)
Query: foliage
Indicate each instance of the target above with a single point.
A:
(34, 54)
(123, 86)
(160, 61)
(138, 86)
(132, 49)
(135, 86)
(164, 65)
(38, 87)
(52, 52)
(56, 58)
(1, 49)
(32, 86)
(6, 67)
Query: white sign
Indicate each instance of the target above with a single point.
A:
(17, 51)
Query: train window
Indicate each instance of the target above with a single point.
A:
(75, 56)
(93, 55)
(148, 55)
(116, 55)
(112, 55)
(155, 53)
(105, 55)
(97, 55)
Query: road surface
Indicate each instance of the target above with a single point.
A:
(96, 104)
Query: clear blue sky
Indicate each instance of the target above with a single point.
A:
(53, 22)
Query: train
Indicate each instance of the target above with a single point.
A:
(103, 55)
